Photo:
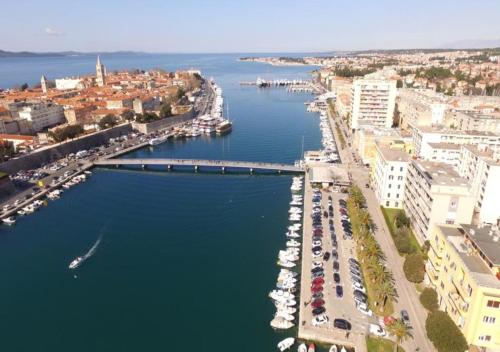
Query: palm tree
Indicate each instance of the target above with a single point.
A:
(378, 273)
(385, 291)
(365, 219)
(400, 331)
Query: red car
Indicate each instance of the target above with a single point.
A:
(318, 281)
(315, 289)
(318, 303)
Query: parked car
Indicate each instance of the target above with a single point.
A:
(342, 324)
(405, 317)
(339, 291)
(336, 278)
(377, 330)
(326, 256)
(320, 320)
(319, 310)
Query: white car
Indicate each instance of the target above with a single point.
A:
(320, 320)
(317, 264)
(317, 243)
(317, 254)
(363, 308)
(377, 330)
(357, 286)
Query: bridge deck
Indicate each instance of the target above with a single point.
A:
(202, 163)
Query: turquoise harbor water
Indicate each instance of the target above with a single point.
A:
(186, 260)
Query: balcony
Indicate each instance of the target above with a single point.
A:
(431, 271)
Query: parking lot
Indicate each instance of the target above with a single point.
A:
(319, 286)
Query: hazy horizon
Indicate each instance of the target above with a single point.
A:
(223, 26)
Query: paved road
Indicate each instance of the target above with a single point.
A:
(408, 296)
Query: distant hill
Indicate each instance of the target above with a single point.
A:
(473, 44)
(4, 53)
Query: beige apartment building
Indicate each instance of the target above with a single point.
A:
(434, 193)
(421, 107)
(464, 268)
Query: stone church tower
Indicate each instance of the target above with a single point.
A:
(44, 84)
(100, 73)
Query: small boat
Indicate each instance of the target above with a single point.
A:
(21, 212)
(76, 262)
(312, 348)
(286, 343)
(279, 323)
(9, 221)
(343, 349)
(333, 348)
(302, 348)
(87, 172)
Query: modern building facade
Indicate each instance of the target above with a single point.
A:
(389, 174)
(372, 102)
(464, 268)
(42, 115)
(421, 107)
(434, 193)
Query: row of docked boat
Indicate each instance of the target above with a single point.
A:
(53, 195)
(290, 341)
(330, 151)
(283, 295)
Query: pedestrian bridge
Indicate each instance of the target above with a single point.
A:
(224, 165)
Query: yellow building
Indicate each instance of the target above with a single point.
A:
(464, 268)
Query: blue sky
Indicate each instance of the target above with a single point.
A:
(243, 26)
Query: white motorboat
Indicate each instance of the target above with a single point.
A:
(289, 310)
(333, 348)
(302, 348)
(293, 243)
(9, 221)
(21, 212)
(343, 349)
(286, 344)
(279, 323)
(76, 262)
(29, 209)
(284, 315)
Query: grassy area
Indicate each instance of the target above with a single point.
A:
(377, 344)
(389, 215)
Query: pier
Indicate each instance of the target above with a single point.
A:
(262, 83)
(196, 164)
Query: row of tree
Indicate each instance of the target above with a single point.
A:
(68, 132)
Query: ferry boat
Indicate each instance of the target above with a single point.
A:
(76, 262)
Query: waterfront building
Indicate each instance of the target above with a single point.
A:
(372, 102)
(464, 269)
(481, 167)
(435, 193)
(421, 107)
(389, 173)
(100, 73)
(423, 135)
(42, 115)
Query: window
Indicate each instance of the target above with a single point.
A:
(400, 178)
(388, 195)
(397, 195)
(391, 177)
(387, 203)
(392, 168)
(489, 320)
(396, 204)
(401, 169)
(484, 338)
(399, 186)
(493, 304)
(390, 185)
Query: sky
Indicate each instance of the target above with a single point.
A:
(202, 26)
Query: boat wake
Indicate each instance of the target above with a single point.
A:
(79, 260)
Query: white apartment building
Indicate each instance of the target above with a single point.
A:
(435, 194)
(42, 115)
(448, 153)
(372, 102)
(389, 174)
(424, 135)
(421, 107)
(481, 167)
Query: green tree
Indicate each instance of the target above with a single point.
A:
(385, 291)
(180, 93)
(400, 219)
(24, 86)
(64, 133)
(357, 196)
(429, 299)
(166, 110)
(7, 150)
(403, 243)
(444, 334)
(128, 115)
(146, 117)
(400, 331)
(108, 121)
(414, 267)
(399, 83)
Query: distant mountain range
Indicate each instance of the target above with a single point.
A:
(4, 53)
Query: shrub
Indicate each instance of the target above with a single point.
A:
(444, 334)
(429, 299)
(403, 244)
(401, 220)
(414, 267)
(108, 121)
